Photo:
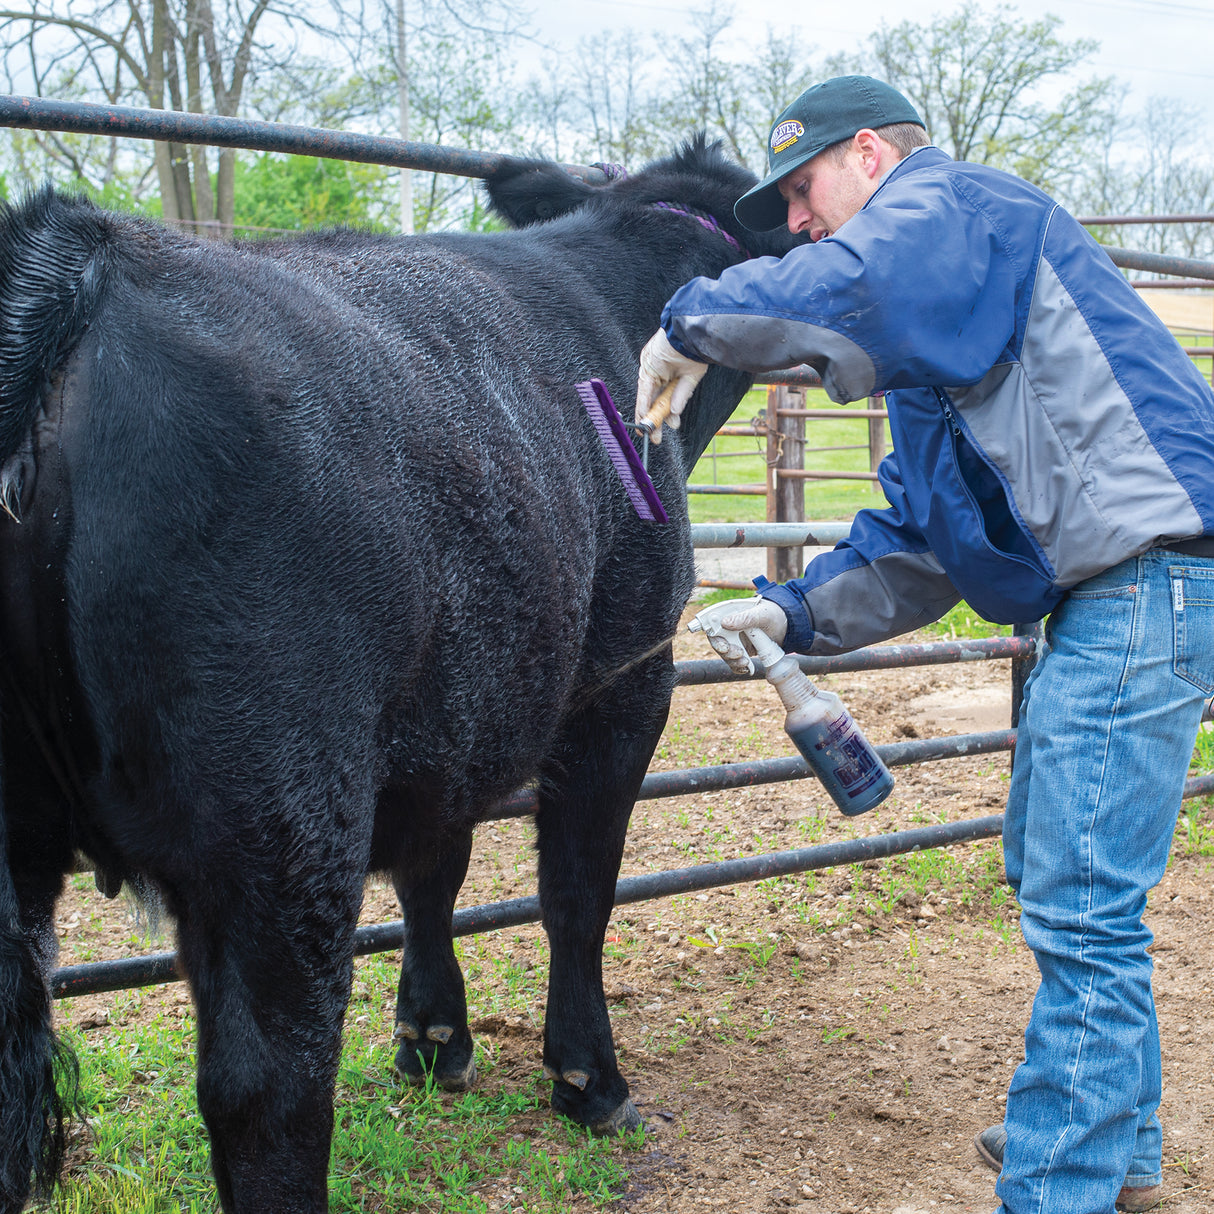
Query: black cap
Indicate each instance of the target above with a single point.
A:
(823, 115)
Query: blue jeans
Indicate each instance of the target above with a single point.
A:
(1107, 729)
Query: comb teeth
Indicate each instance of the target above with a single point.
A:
(624, 458)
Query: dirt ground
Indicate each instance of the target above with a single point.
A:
(828, 1043)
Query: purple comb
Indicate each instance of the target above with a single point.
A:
(624, 458)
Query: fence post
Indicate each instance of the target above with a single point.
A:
(876, 437)
(1021, 669)
(785, 495)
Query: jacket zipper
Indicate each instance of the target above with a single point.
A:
(948, 413)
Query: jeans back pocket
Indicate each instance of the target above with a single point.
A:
(1193, 624)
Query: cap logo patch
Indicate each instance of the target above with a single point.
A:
(785, 135)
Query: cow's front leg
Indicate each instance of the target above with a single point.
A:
(581, 824)
(431, 1010)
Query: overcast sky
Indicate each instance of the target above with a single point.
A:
(1157, 47)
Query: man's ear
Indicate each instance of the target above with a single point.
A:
(872, 152)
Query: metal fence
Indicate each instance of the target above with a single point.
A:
(37, 113)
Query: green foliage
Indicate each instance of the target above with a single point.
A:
(710, 597)
(303, 192)
(964, 622)
(1203, 752)
(1195, 827)
(148, 1152)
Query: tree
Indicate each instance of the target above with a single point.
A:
(498, 21)
(628, 100)
(983, 80)
(167, 54)
(1147, 167)
(293, 193)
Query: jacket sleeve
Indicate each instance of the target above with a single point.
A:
(915, 290)
(880, 582)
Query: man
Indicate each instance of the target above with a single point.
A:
(1053, 454)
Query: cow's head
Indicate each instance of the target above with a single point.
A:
(680, 206)
(698, 177)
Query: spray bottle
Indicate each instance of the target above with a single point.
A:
(820, 726)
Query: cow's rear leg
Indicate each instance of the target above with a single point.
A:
(581, 824)
(270, 964)
(431, 1010)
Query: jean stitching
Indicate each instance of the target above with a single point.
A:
(1089, 833)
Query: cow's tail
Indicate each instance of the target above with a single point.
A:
(34, 1067)
(53, 258)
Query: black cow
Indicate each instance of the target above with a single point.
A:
(313, 556)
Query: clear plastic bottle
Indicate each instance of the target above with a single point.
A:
(825, 733)
(821, 728)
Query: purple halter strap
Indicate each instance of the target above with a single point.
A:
(705, 221)
(617, 172)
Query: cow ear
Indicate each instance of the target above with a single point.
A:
(534, 191)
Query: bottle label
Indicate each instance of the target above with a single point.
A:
(855, 765)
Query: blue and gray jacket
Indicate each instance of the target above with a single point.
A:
(1045, 423)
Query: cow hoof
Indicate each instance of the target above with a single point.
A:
(442, 1033)
(623, 1121)
(405, 1031)
(462, 1080)
(465, 1081)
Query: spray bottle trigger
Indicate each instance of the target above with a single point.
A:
(729, 646)
(726, 644)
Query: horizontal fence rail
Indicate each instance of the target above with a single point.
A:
(752, 773)
(1160, 263)
(174, 126)
(768, 535)
(697, 673)
(1104, 221)
(86, 118)
(98, 976)
(94, 977)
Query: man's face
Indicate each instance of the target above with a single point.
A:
(822, 195)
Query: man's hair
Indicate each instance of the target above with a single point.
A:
(903, 137)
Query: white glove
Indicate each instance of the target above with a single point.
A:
(758, 613)
(662, 364)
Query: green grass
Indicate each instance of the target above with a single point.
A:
(743, 461)
(1195, 827)
(394, 1147)
(1203, 752)
(965, 623)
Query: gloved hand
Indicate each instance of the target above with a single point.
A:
(751, 613)
(661, 364)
